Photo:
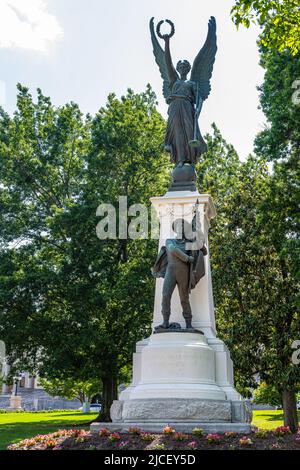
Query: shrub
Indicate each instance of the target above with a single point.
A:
(230, 434)
(213, 438)
(282, 431)
(81, 439)
(168, 430)
(198, 432)
(50, 443)
(104, 432)
(275, 446)
(123, 445)
(245, 441)
(261, 434)
(145, 436)
(115, 436)
(29, 442)
(192, 445)
(159, 447)
(179, 436)
(135, 431)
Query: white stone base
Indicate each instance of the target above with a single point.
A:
(157, 427)
(185, 380)
(15, 402)
(177, 365)
(182, 379)
(181, 365)
(187, 410)
(181, 410)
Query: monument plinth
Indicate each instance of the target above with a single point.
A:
(15, 402)
(182, 378)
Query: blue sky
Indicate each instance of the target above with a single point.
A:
(81, 50)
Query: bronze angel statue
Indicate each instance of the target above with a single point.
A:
(185, 97)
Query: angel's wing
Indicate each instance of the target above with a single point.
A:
(204, 61)
(159, 55)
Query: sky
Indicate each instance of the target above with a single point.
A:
(82, 50)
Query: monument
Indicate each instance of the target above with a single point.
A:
(182, 373)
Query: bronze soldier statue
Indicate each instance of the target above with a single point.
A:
(181, 263)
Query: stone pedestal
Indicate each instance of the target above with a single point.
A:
(15, 402)
(29, 381)
(177, 365)
(172, 206)
(180, 378)
(5, 371)
(86, 407)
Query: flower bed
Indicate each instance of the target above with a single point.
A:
(169, 439)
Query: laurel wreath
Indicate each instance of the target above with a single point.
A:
(162, 36)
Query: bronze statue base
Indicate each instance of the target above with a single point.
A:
(175, 328)
(184, 178)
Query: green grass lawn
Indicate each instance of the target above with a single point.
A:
(268, 419)
(17, 426)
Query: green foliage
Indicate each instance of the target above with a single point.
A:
(279, 19)
(267, 394)
(255, 239)
(253, 272)
(66, 297)
(236, 252)
(279, 143)
(281, 137)
(70, 389)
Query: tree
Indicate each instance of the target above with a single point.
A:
(253, 276)
(71, 389)
(279, 19)
(280, 143)
(267, 394)
(66, 297)
(279, 101)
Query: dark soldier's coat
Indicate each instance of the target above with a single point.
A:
(198, 271)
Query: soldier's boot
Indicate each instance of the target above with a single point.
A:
(166, 323)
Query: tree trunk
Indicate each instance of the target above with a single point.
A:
(290, 410)
(109, 394)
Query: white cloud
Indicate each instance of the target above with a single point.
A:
(27, 24)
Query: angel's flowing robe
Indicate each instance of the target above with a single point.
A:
(180, 128)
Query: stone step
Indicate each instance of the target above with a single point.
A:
(157, 427)
(39, 399)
